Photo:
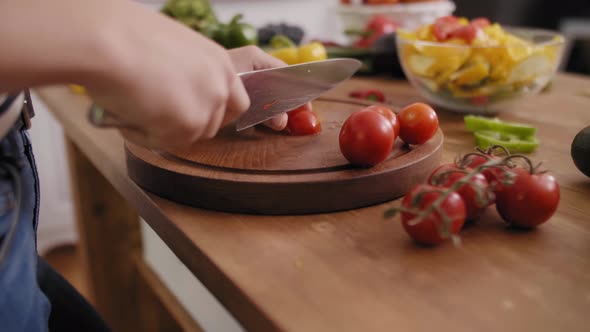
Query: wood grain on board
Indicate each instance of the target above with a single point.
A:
(355, 271)
(264, 172)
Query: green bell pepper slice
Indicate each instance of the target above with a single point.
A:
(478, 123)
(486, 138)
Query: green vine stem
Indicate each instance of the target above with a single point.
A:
(482, 195)
(502, 164)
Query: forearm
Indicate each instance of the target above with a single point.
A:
(58, 41)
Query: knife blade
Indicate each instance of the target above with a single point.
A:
(278, 90)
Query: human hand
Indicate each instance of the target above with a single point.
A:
(250, 58)
(168, 85)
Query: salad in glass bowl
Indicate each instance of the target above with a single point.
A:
(476, 66)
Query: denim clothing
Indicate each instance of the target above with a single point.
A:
(23, 306)
(33, 296)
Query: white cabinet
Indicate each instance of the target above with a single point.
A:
(56, 215)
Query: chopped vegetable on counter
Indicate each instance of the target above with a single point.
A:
(374, 95)
(516, 137)
(478, 123)
(486, 138)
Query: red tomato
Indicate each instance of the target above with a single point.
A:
(479, 100)
(476, 160)
(302, 108)
(493, 175)
(418, 123)
(443, 27)
(389, 114)
(366, 138)
(428, 231)
(474, 206)
(466, 32)
(530, 201)
(480, 22)
(303, 122)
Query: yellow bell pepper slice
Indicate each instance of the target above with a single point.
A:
(472, 74)
(78, 89)
(312, 52)
(289, 55)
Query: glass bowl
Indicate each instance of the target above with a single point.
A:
(481, 79)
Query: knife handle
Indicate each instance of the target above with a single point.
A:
(99, 117)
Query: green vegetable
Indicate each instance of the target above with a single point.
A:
(486, 138)
(281, 41)
(235, 33)
(478, 123)
(196, 14)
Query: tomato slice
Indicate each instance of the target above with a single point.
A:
(466, 32)
(302, 121)
(443, 27)
(303, 108)
(480, 22)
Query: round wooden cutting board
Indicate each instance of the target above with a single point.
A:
(259, 171)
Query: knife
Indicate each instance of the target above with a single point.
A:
(271, 91)
(278, 90)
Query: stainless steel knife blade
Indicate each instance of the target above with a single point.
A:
(278, 90)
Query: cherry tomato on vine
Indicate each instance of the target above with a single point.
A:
(418, 123)
(302, 121)
(476, 200)
(389, 114)
(429, 230)
(493, 175)
(366, 138)
(530, 201)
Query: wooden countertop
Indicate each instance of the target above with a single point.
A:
(353, 270)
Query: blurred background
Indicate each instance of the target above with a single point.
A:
(303, 21)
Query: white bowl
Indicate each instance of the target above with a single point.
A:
(408, 15)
